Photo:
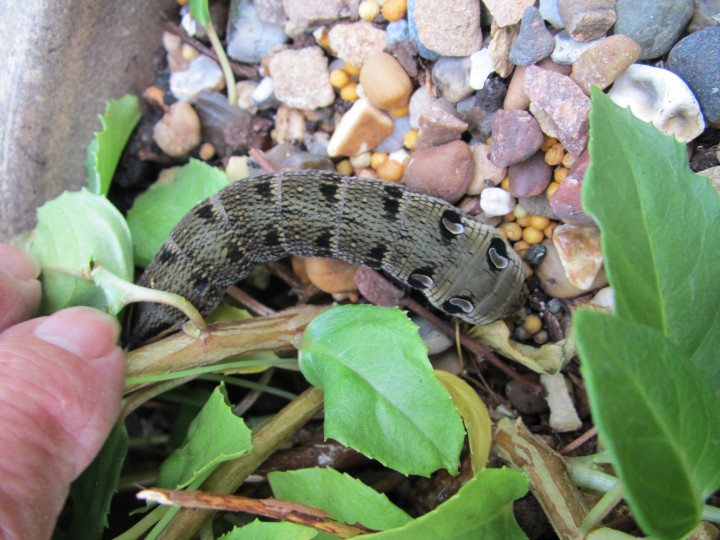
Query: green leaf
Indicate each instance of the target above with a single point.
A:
(92, 492)
(216, 435)
(659, 224)
(483, 508)
(262, 530)
(103, 154)
(343, 497)
(658, 419)
(156, 212)
(200, 11)
(74, 229)
(381, 395)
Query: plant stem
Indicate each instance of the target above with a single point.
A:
(224, 63)
(602, 508)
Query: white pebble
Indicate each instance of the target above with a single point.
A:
(496, 201)
(563, 416)
(263, 91)
(399, 156)
(202, 74)
(567, 50)
(481, 66)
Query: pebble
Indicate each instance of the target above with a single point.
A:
(290, 157)
(529, 177)
(499, 49)
(516, 136)
(580, 254)
(249, 37)
(552, 276)
(563, 416)
(516, 97)
(562, 104)
(289, 125)
(263, 96)
(586, 20)
(394, 141)
(385, 82)
(524, 401)
(496, 201)
(355, 42)
(202, 75)
(659, 96)
(604, 298)
(534, 42)
(412, 27)
(486, 174)
(422, 101)
(706, 13)
(178, 131)
(360, 129)
(449, 27)
(654, 24)
(538, 206)
(567, 50)
(604, 62)
(451, 78)
(479, 109)
(438, 127)
(441, 171)
(550, 12)
(435, 341)
(713, 176)
(696, 60)
(271, 11)
(396, 32)
(566, 201)
(507, 12)
(303, 14)
(300, 78)
(481, 66)
(332, 276)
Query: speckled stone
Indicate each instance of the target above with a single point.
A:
(354, 42)
(499, 48)
(421, 101)
(479, 109)
(271, 11)
(303, 14)
(534, 42)
(516, 97)
(529, 177)
(563, 105)
(516, 137)
(300, 78)
(604, 62)
(397, 31)
(507, 12)
(249, 37)
(486, 173)
(438, 127)
(441, 171)
(567, 50)
(586, 20)
(449, 27)
(413, 30)
(654, 24)
(451, 77)
(697, 61)
(566, 201)
(385, 82)
(360, 129)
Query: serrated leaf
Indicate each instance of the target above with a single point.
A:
(156, 212)
(483, 508)
(261, 530)
(343, 497)
(216, 435)
(658, 419)
(381, 395)
(74, 230)
(103, 154)
(475, 416)
(658, 223)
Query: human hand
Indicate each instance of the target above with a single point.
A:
(60, 387)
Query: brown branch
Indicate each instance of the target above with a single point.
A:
(249, 302)
(577, 443)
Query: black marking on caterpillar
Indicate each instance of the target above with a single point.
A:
(462, 266)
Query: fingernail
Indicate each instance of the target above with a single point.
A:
(83, 331)
(18, 263)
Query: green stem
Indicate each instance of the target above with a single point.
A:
(602, 508)
(224, 63)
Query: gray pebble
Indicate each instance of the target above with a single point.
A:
(451, 76)
(479, 109)
(567, 50)
(434, 339)
(549, 11)
(249, 37)
(524, 401)
(534, 41)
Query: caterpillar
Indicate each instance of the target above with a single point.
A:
(462, 266)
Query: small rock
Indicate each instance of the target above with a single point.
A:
(524, 401)
(178, 131)
(245, 90)
(360, 129)
(567, 50)
(332, 276)
(496, 201)
(438, 127)
(435, 341)
(300, 78)
(406, 53)
(354, 42)
(499, 49)
(516, 137)
(442, 171)
(481, 66)
(396, 32)
(586, 20)
(696, 60)
(394, 141)
(202, 75)
(566, 201)
(604, 62)
(412, 27)
(654, 24)
(580, 254)
(290, 157)
(516, 97)
(449, 27)
(659, 96)
(479, 110)
(563, 416)
(562, 103)
(538, 206)
(713, 176)
(249, 37)
(507, 12)
(271, 11)
(303, 14)
(486, 174)
(451, 77)
(552, 276)
(422, 101)
(289, 125)
(550, 12)
(705, 13)
(534, 41)
(604, 298)
(385, 82)
(529, 177)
